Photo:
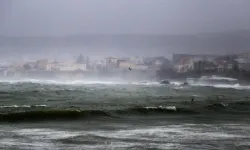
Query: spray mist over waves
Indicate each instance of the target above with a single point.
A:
(217, 82)
(77, 82)
(204, 81)
(173, 83)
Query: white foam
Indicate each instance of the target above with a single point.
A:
(235, 86)
(127, 145)
(222, 78)
(176, 83)
(172, 135)
(214, 77)
(12, 142)
(21, 106)
(9, 106)
(146, 83)
(202, 82)
(161, 107)
(46, 133)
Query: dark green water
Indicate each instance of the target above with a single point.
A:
(85, 115)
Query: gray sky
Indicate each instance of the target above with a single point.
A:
(67, 17)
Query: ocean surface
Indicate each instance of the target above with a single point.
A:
(73, 115)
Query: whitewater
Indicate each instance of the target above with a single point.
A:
(124, 82)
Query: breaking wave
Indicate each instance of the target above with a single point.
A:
(120, 82)
(214, 77)
(241, 107)
(227, 86)
(217, 82)
(22, 106)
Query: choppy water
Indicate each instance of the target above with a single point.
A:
(36, 114)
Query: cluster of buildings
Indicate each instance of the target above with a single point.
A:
(180, 63)
(84, 65)
(136, 63)
(211, 63)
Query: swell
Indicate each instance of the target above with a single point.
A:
(237, 108)
(56, 115)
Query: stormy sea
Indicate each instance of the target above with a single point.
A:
(73, 115)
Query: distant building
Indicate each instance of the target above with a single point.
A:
(68, 67)
(185, 64)
(245, 56)
(177, 57)
(226, 63)
(17, 65)
(112, 62)
(205, 66)
(126, 64)
(136, 60)
(140, 67)
(42, 64)
(80, 59)
(51, 66)
(221, 65)
(29, 66)
(157, 63)
(243, 64)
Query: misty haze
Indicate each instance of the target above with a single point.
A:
(123, 74)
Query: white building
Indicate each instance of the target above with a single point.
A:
(136, 60)
(67, 67)
(243, 64)
(140, 67)
(184, 65)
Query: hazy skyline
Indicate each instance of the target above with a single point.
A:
(48, 27)
(74, 17)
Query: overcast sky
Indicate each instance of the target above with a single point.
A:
(67, 17)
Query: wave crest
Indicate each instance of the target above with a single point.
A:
(240, 107)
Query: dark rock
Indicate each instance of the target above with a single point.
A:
(185, 84)
(164, 82)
